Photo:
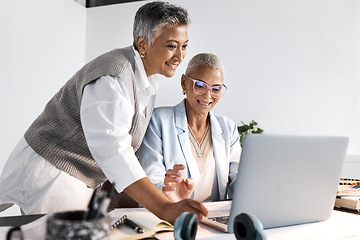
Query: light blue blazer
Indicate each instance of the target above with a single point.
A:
(167, 143)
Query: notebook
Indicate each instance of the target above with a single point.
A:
(285, 180)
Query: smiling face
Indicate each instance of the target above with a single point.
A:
(201, 104)
(167, 51)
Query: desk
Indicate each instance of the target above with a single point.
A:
(342, 225)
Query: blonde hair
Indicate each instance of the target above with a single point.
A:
(204, 60)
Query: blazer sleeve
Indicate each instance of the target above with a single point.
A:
(150, 153)
(235, 152)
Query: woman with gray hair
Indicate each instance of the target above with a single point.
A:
(89, 131)
(189, 151)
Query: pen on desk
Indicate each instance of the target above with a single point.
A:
(133, 225)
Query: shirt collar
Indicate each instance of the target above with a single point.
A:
(143, 83)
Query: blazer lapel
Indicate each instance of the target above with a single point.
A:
(221, 163)
(183, 136)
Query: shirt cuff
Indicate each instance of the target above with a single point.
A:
(124, 172)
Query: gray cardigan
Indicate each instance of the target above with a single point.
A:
(57, 134)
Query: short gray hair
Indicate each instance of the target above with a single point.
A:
(153, 16)
(205, 60)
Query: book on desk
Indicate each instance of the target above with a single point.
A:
(348, 194)
(143, 218)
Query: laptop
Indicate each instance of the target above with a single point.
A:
(284, 180)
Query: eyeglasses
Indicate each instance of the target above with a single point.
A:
(201, 87)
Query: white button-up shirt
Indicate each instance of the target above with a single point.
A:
(106, 116)
(35, 185)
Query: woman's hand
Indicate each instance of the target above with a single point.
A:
(176, 187)
(173, 210)
(150, 197)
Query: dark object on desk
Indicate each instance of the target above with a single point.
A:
(133, 225)
(185, 227)
(248, 227)
(71, 225)
(16, 221)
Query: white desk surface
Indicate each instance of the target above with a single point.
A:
(341, 225)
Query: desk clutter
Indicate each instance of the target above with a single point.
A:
(97, 224)
(115, 226)
(71, 225)
(82, 225)
(342, 225)
(348, 194)
(139, 223)
(146, 225)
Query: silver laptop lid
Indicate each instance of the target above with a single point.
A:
(287, 180)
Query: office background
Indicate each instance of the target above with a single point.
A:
(292, 66)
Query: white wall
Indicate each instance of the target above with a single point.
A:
(42, 44)
(293, 66)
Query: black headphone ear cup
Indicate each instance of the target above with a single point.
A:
(185, 227)
(248, 227)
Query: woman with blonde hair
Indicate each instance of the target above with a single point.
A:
(189, 151)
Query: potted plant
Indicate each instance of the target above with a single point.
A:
(250, 128)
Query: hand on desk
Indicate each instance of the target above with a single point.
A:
(150, 197)
(173, 210)
(176, 187)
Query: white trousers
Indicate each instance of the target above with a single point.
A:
(37, 186)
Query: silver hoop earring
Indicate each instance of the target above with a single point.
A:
(184, 91)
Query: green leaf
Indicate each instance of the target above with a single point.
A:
(250, 128)
(243, 128)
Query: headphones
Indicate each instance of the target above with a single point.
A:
(248, 227)
(185, 226)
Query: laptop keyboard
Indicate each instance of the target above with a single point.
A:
(221, 219)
